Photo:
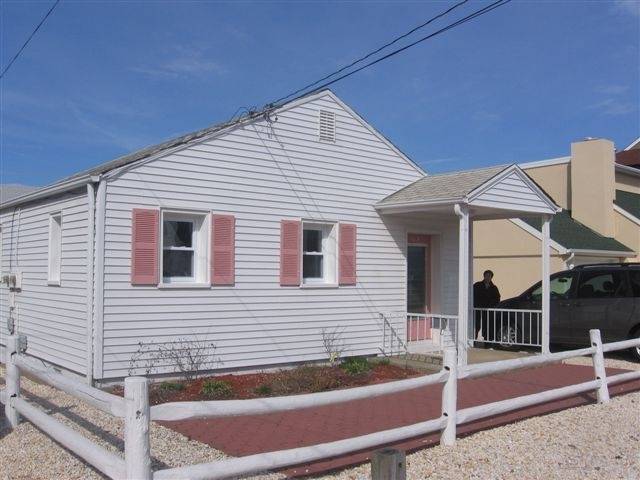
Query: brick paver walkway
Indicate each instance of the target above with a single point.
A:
(245, 435)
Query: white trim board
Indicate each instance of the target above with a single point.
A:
(532, 231)
(625, 214)
(545, 163)
(633, 144)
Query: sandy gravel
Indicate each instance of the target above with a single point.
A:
(590, 442)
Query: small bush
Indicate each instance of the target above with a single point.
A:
(171, 386)
(264, 389)
(355, 366)
(217, 389)
(383, 361)
(304, 379)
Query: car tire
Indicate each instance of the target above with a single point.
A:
(507, 335)
(635, 352)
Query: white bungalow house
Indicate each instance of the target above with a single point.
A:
(255, 235)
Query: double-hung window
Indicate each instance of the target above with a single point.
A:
(184, 248)
(319, 253)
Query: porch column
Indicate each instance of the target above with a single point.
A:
(546, 251)
(471, 327)
(462, 325)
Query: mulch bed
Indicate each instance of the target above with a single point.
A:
(304, 379)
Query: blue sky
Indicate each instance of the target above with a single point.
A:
(102, 79)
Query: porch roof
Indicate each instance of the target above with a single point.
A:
(504, 187)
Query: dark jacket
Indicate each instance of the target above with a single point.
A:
(485, 297)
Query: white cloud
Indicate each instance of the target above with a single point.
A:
(627, 7)
(611, 106)
(612, 89)
(185, 63)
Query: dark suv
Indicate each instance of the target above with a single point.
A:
(603, 296)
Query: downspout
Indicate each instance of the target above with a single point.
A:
(569, 261)
(98, 279)
(91, 207)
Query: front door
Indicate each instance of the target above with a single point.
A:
(416, 279)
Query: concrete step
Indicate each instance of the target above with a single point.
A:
(418, 361)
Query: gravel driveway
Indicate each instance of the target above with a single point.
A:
(594, 441)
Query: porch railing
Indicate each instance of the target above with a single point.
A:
(436, 328)
(505, 326)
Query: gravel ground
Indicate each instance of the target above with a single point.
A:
(589, 442)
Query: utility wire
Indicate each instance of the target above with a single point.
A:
(477, 13)
(361, 59)
(24, 45)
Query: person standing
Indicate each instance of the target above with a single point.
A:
(485, 295)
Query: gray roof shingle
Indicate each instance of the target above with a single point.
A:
(14, 190)
(628, 201)
(572, 234)
(451, 185)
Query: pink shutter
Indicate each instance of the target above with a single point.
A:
(347, 254)
(223, 249)
(290, 252)
(144, 246)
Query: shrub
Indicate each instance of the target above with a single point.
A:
(304, 379)
(383, 361)
(217, 389)
(171, 386)
(264, 389)
(355, 366)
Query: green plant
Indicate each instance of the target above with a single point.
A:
(355, 366)
(304, 379)
(264, 389)
(217, 389)
(171, 386)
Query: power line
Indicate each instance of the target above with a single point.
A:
(368, 55)
(24, 45)
(477, 13)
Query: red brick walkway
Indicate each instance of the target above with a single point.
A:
(245, 435)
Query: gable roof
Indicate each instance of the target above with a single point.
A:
(9, 191)
(573, 235)
(502, 187)
(628, 201)
(152, 151)
(443, 186)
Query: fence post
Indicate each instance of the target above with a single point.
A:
(12, 380)
(389, 464)
(450, 397)
(137, 454)
(598, 366)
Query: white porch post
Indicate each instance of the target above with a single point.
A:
(471, 327)
(462, 326)
(546, 222)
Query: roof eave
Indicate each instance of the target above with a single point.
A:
(602, 253)
(51, 190)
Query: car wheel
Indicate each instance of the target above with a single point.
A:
(508, 336)
(635, 352)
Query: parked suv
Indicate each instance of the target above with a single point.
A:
(603, 296)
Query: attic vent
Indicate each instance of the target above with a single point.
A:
(327, 126)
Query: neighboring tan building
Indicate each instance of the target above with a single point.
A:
(599, 222)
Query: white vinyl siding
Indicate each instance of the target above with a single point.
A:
(262, 174)
(53, 318)
(511, 193)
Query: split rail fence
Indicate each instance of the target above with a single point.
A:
(134, 409)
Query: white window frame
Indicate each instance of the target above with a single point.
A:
(200, 248)
(329, 248)
(54, 255)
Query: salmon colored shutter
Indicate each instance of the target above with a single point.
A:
(290, 252)
(347, 254)
(223, 249)
(144, 246)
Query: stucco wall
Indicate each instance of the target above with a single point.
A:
(628, 233)
(628, 183)
(513, 255)
(555, 180)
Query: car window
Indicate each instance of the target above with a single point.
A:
(559, 286)
(634, 278)
(601, 285)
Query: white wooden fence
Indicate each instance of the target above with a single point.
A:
(134, 408)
